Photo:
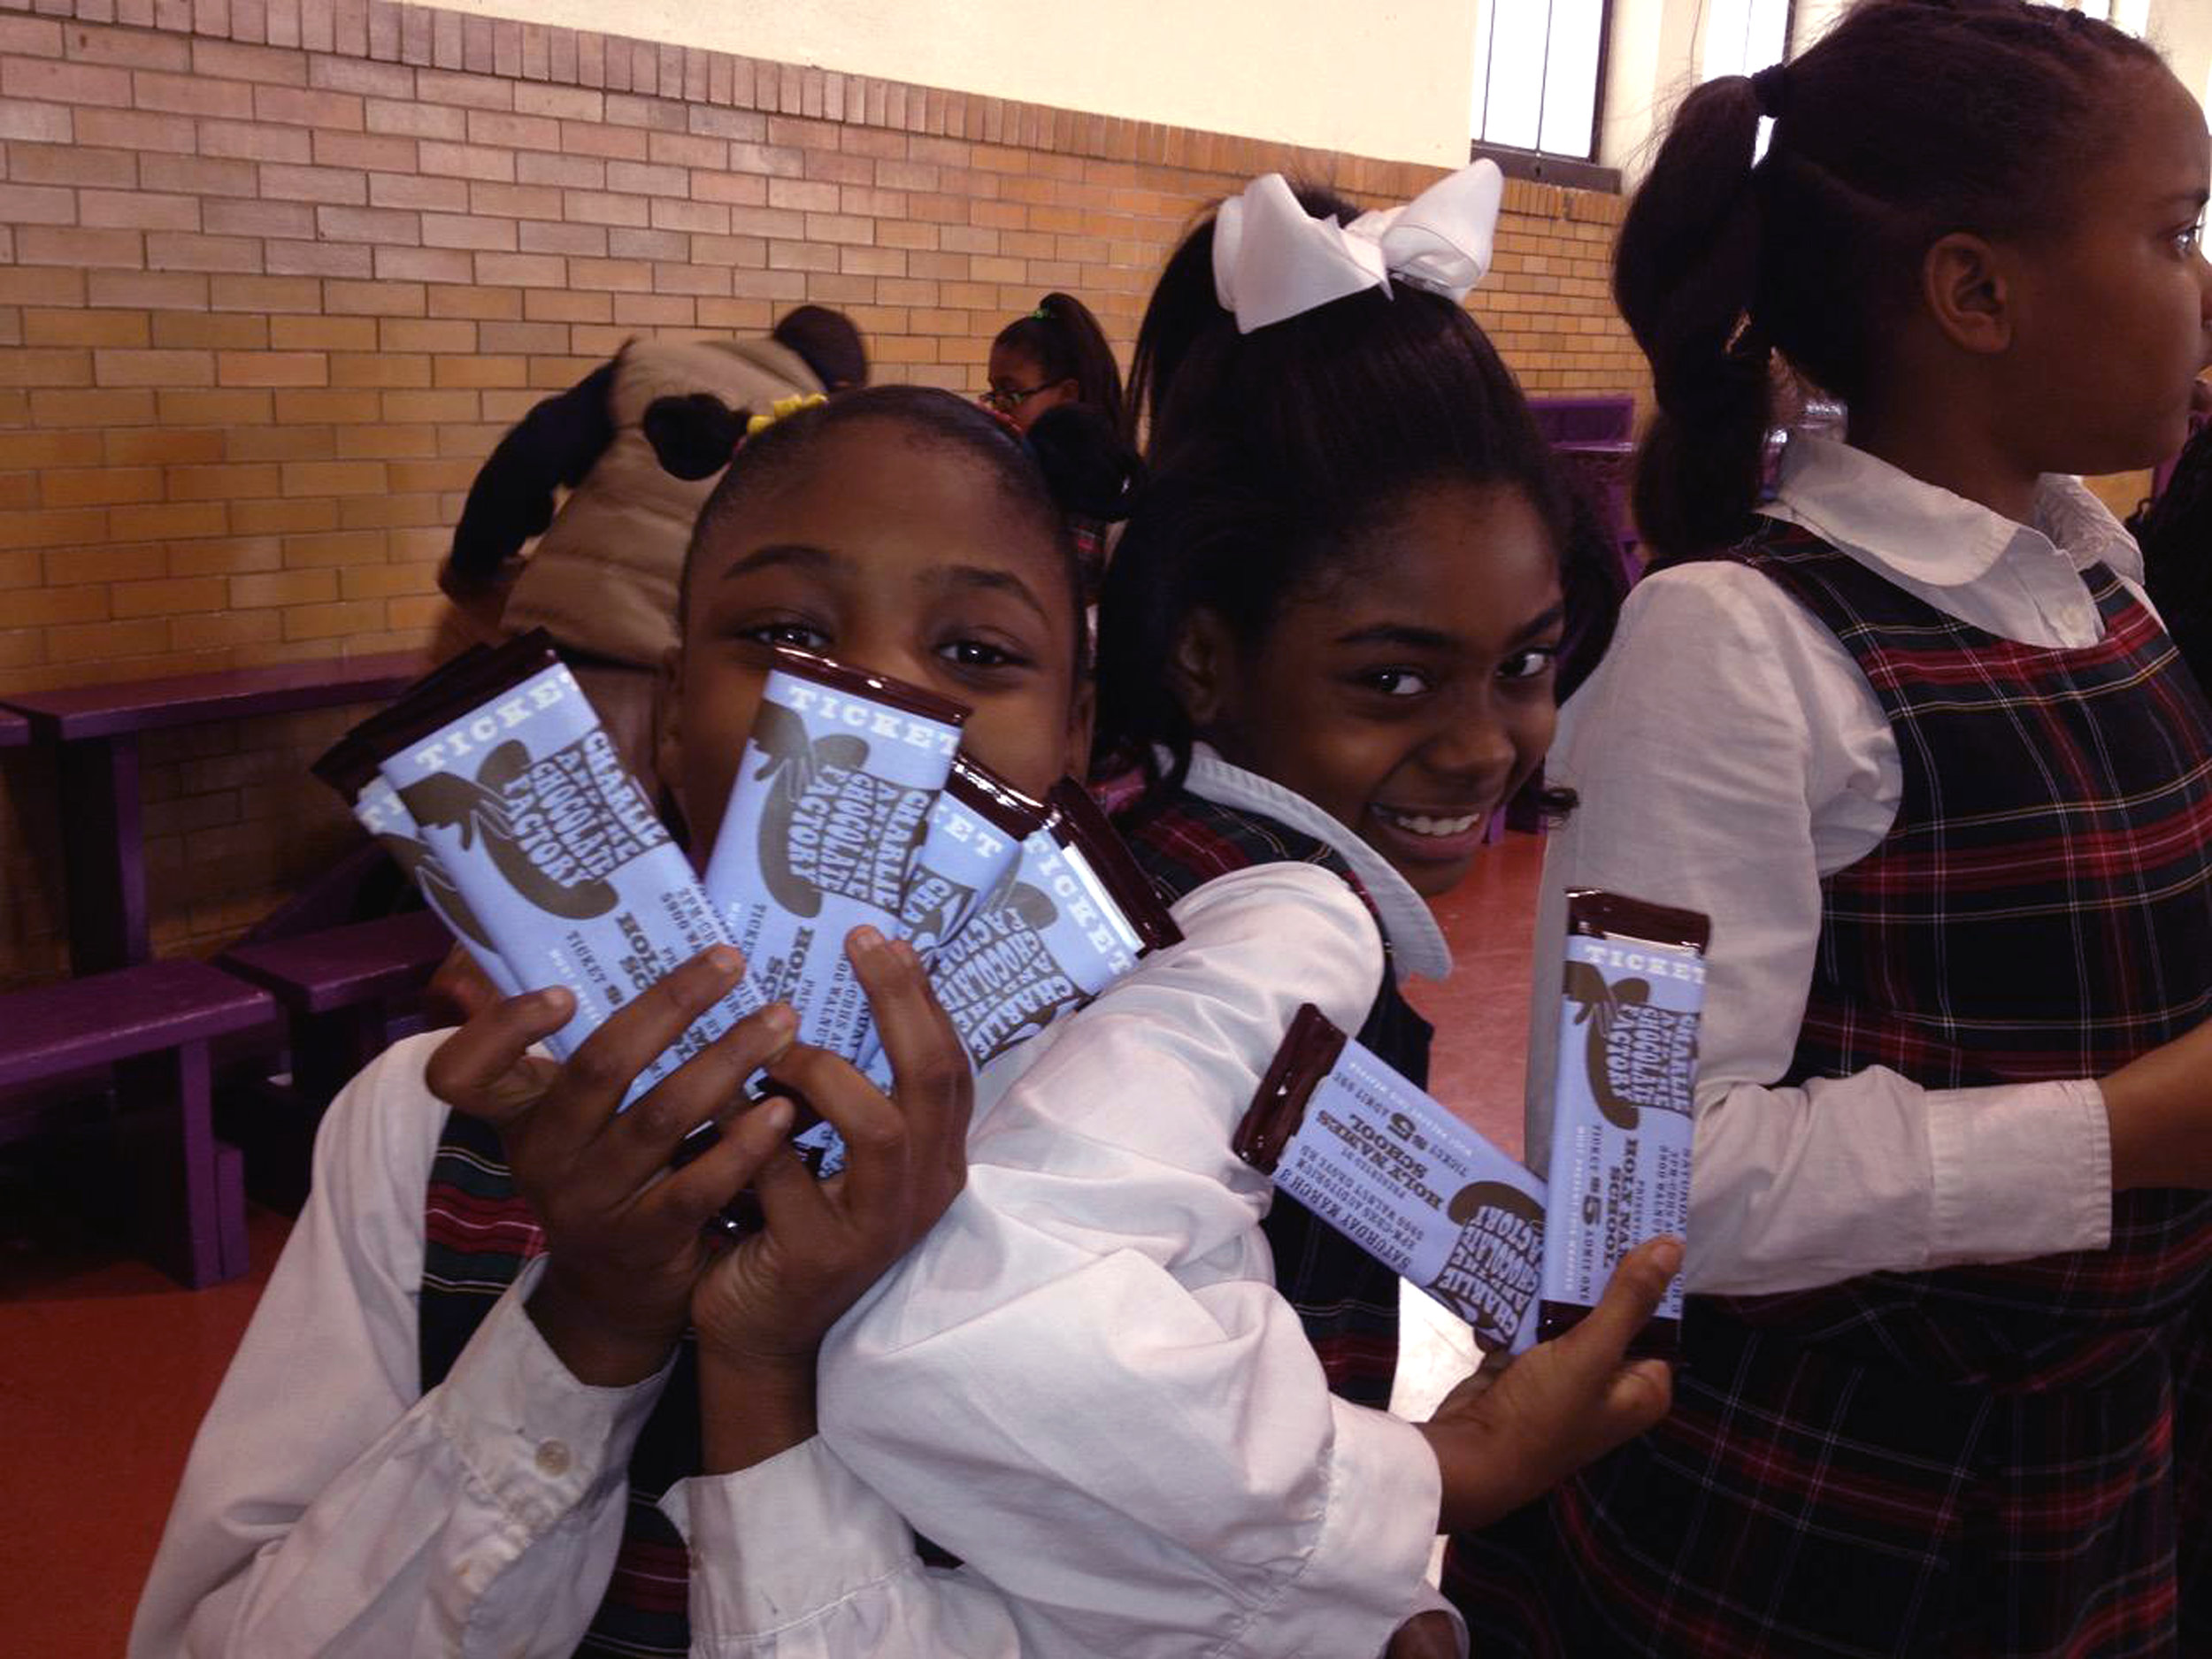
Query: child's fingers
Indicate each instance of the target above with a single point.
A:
(929, 1066)
(1641, 1394)
(638, 1146)
(601, 1071)
(878, 1152)
(1595, 1346)
(687, 1199)
(481, 1069)
(794, 1209)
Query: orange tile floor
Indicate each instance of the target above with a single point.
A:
(105, 1366)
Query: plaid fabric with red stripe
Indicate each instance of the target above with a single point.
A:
(478, 1236)
(1996, 1461)
(1347, 1301)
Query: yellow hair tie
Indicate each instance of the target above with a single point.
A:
(782, 408)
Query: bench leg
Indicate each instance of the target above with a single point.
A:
(103, 846)
(189, 1188)
(329, 1048)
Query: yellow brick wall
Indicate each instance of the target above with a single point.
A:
(274, 275)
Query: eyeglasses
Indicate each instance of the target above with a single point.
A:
(1006, 400)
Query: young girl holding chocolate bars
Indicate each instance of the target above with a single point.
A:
(1911, 736)
(1330, 648)
(462, 1419)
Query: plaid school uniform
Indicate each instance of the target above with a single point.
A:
(1347, 1301)
(478, 1235)
(1986, 1461)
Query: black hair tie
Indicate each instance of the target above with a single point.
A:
(1771, 88)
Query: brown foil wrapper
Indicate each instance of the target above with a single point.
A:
(859, 682)
(1078, 822)
(1309, 1049)
(993, 799)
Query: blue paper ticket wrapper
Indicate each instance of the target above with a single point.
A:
(1623, 1101)
(1392, 1170)
(966, 860)
(1076, 916)
(385, 816)
(350, 768)
(969, 855)
(519, 796)
(832, 799)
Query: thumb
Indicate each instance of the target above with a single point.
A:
(1596, 1345)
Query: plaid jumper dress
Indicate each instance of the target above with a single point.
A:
(1347, 1301)
(1991, 1461)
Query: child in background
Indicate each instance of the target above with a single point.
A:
(588, 473)
(1330, 645)
(1912, 738)
(1056, 354)
(1058, 358)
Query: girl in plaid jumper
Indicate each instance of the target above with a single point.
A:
(1911, 734)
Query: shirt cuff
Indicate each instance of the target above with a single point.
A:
(540, 1441)
(780, 1542)
(2020, 1172)
(1367, 1573)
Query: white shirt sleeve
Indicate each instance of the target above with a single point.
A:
(1729, 753)
(1083, 1383)
(329, 1507)
(794, 1558)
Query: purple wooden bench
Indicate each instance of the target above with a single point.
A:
(170, 1179)
(15, 731)
(1599, 417)
(340, 987)
(342, 990)
(96, 730)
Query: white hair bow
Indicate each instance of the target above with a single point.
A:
(1273, 260)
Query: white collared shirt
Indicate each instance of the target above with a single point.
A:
(1415, 943)
(1729, 755)
(1126, 1426)
(1084, 1383)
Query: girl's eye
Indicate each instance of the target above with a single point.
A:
(2186, 241)
(970, 653)
(1396, 682)
(1532, 663)
(799, 635)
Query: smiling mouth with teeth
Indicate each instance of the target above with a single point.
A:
(1420, 825)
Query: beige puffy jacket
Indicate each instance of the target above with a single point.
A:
(602, 577)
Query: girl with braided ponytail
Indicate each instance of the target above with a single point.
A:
(1911, 734)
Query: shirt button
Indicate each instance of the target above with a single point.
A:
(552, 1458)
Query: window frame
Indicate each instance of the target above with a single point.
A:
(1789, 37)
(1548, 167)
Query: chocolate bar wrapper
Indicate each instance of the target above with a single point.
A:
(968, 855)
(1075, 917)
(965, 860)
(521, 797)
(385, 816)
(1392, 1170)
(832, 798)
(1623, 1101)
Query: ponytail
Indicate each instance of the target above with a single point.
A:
(1685, 276)
(1067, 343)
(1909, 120)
